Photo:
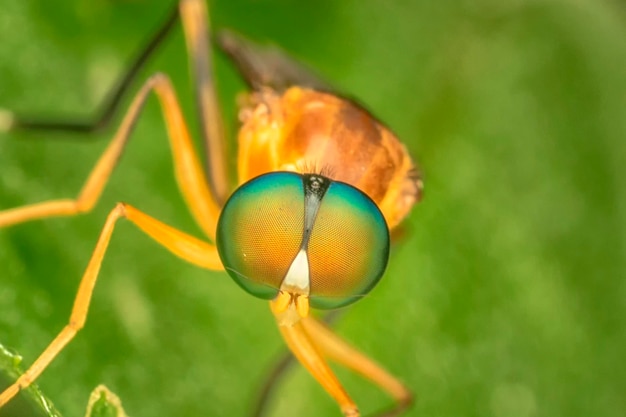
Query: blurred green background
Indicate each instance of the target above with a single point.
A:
(507, 296)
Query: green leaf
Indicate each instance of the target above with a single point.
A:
(34, 402)
(507, 295)
(103, 403)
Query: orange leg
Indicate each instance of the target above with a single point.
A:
(336, 349)
(188, 248)
(308, 353)
(312, 343)
(194, 16)
(187, 168)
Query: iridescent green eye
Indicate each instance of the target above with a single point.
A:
(349, 247)
(260, 231)
(271, 219)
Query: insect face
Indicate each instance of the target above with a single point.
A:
(303, 233)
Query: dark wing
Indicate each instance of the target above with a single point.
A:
(266, 65)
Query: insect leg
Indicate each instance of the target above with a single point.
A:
(336, 349)
(277, 372)
(187, 168)
(109, 107)
(194, 16)
(307, 352)
(188, 248)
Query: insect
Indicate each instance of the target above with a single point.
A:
(320, 184)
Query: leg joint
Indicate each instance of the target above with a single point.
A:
(120, 208)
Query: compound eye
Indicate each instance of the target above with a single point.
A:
(260, 231)
(348, 249)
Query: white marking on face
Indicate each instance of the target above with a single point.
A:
(298, 273)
